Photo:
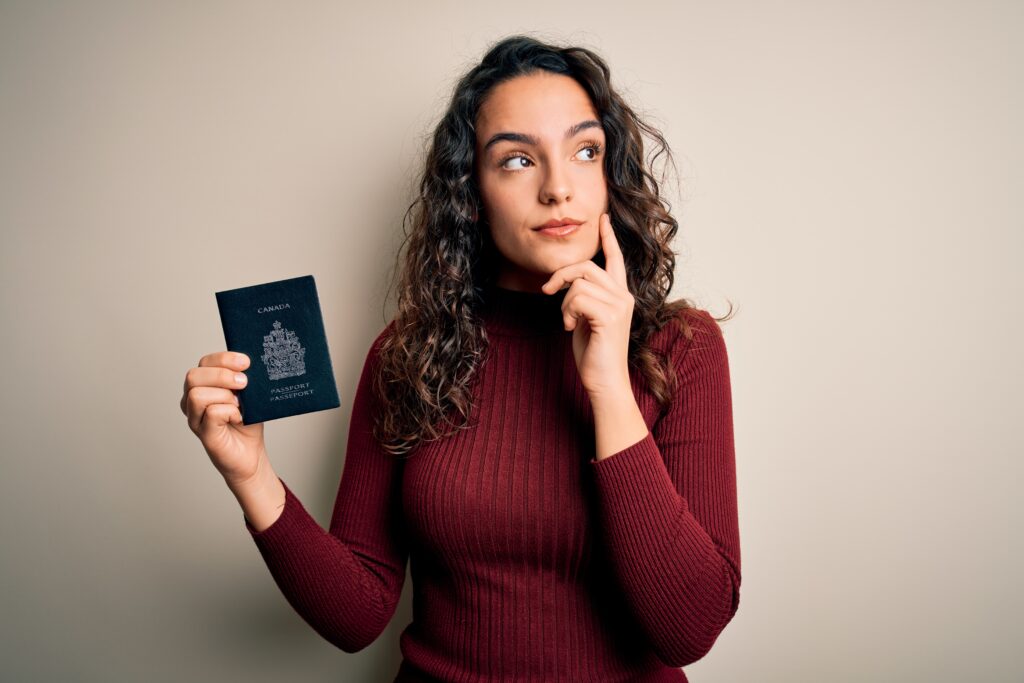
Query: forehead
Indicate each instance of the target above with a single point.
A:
(541, 104)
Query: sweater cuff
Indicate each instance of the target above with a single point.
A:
(291, 516)
(639, 504)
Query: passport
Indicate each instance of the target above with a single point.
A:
(280, 327)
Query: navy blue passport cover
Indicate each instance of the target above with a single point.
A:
(280, 327)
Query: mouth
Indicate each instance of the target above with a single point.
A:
(559, 227)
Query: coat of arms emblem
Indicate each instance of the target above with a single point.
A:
(283, 355)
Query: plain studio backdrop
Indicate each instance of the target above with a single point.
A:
(846, 172)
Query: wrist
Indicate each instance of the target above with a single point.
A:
(618, 422)
(259, 480)
(262, 497)
(613, 397)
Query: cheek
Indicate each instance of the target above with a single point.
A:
(502, 192)
(598, 189)
(505, 207)
(490, 192)
(488, 185)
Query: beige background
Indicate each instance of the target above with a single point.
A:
(846, 179)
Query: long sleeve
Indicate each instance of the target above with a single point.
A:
(345, 582)
(668, 508)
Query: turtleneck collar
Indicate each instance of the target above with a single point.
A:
(512, 312)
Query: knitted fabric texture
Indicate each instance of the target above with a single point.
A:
(529, 559)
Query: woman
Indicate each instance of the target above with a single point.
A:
(545, 438)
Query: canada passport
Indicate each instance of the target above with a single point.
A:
(280, 327)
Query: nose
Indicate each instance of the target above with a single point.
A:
(555, 186)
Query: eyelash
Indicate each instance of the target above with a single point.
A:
(597, 147)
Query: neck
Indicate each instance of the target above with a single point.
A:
(509, 275)
(514, 312)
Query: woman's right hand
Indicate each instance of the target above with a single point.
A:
(211, 406)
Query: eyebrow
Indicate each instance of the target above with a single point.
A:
(526, 139)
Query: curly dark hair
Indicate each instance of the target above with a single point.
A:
(430, 352)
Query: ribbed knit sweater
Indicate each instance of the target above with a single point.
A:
(530, 560)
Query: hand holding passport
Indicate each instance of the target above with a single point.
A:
(280, 327)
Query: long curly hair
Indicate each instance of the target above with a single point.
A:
(430, 352)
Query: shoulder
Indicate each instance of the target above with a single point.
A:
(689, 331)
(379, 342)
(384, 335)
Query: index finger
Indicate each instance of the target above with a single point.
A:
(614, 262)
(225, 359)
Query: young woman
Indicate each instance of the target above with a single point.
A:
(543, 436)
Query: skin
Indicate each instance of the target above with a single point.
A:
(238, 451)
(555, 177)
(524, 183)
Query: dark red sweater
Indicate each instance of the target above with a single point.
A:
(530, 560)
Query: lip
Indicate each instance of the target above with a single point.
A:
(563, 230)
(559, 222)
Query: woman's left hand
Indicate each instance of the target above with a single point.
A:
(598, 309)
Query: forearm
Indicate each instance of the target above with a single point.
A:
(667, 505)
(618, 422)
(261, 497)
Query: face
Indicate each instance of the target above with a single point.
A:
(538, 159)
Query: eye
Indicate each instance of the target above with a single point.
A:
(595, 147)
(510, 158)
(592, 146)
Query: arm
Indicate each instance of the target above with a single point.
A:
(668, 508)
(345, 582)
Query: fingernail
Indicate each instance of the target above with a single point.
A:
(240, 378)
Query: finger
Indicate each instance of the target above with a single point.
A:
(235, 360)
(211, 377)
(584, 269)
(199, 398)
(215, 377)
(585, 299)
(217, 415)
(614, 262)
